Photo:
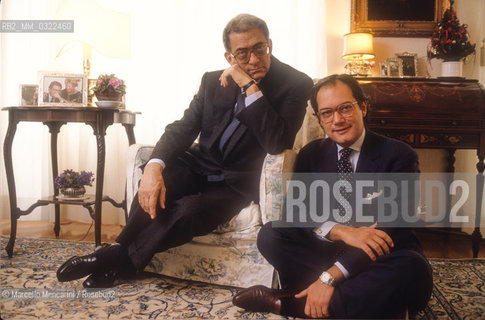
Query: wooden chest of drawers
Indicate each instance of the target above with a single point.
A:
(432, 113)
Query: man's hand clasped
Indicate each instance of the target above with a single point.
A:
(371, 240)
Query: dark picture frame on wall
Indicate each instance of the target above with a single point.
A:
(384, 18)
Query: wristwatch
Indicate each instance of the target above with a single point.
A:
(246, 87)
(327, 279)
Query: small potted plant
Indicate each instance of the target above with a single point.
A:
(71, 183)
(109, 88)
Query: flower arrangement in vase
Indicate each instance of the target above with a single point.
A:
(450, 43)
(71, 183)
(109, 88)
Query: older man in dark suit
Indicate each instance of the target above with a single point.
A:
(341, 270)
(240, 114)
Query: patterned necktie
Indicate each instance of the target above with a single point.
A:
(345, 173)
(240, 104)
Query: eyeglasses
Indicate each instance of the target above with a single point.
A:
(346, 110)
(244, 54)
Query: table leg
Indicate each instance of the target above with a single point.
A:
(7, 153)
(100, 132)
(131, 140)
(476, 235)
(130, 133)
(54, 128)
(451, 171)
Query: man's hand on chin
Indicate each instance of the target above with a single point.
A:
(152, 189)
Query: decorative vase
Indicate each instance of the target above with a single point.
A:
(73, 192)
(452, 69)
(109, 96)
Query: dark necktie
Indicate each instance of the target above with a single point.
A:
(345, 173)
(240, 104)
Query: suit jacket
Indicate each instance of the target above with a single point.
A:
(378, 154)
(268, 125)
(47, 98)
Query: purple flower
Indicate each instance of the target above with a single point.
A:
(72, 179)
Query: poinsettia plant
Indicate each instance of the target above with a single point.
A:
(73, 179)
(450, 39)
(108, 83)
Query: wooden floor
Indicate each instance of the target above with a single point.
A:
(435, 245)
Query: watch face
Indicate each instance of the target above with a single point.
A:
(326, 278)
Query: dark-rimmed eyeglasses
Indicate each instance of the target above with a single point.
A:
(244, 54)
(346, 110)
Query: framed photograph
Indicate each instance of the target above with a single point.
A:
(394, 67)
(385, 18)
(63, 89)
(384, 69)
(29, 94)
(409, 62)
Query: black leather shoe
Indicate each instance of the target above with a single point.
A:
(77, 267)
(260, 299)
(101, 279)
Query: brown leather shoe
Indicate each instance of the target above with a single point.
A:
(260, 299)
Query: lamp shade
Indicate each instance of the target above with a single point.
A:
(358, 45)
(105, 30)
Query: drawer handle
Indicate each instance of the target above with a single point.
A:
(454, 123)
(383, 121)
(454, 140)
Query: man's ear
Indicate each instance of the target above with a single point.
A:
(363, 107)
(230, 58)
(270, 44)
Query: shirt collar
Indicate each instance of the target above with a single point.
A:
(357, 145)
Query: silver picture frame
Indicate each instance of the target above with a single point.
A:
(394, 67)
(29, 95)
(62, 89)
(409, 64)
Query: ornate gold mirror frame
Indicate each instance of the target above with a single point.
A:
(384, 18)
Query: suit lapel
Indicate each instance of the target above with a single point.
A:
(233, 140)
(225, 98)
(369, 154)
(330, 158)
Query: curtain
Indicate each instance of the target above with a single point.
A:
(173, 42)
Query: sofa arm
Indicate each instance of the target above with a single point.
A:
(271, 191)
(137, 156)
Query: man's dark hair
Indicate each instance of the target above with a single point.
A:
(55, 83)
(243, 23)
(331, 80)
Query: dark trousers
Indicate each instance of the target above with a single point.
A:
(193, 207)
(393, 283)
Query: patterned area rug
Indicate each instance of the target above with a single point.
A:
(459, 291)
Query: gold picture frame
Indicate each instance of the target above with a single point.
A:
(384, 18)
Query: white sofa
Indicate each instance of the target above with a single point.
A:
(228, 255)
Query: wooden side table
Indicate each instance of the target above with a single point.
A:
(55, 117)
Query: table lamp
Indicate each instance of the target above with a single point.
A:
(359, 49)
(107, 31)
